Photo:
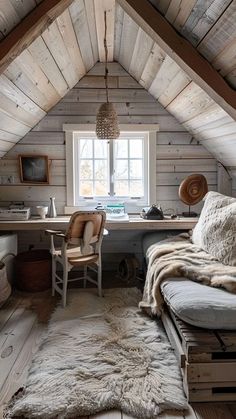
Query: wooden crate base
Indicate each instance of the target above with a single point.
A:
(214, 392)
(207, 359)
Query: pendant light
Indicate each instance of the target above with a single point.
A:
(107, 127)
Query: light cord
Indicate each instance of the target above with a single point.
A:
(106, 54)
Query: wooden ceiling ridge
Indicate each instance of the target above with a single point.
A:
(29, 29)
(182, 52)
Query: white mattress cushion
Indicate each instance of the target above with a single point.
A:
(200, 305)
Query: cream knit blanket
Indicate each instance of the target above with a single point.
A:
(178, 257)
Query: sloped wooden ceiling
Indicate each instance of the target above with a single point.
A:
(45, 71)
(210, 27)
(12, 13)
(184, 99)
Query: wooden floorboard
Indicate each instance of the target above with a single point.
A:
(27, 315)
(8, 310)
(18, 375)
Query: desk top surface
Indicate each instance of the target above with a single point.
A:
(134, 223)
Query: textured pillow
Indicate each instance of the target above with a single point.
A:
(215, 231)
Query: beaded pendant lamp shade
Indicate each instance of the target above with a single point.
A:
(107, 127)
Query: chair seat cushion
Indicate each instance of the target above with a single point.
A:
(83, 260)
(75, 256)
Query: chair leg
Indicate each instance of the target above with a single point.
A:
(53, 275)
(85, 275)
(99, 278)
(64, 287)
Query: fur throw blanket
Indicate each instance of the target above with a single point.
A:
(178, 257)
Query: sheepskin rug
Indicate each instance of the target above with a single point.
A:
(101, 353)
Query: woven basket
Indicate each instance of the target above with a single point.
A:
(33, 270)
(107, 122)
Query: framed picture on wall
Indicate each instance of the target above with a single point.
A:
(34, 169)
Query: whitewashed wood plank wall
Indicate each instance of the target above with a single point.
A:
(178, 153)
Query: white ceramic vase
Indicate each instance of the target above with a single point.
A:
(52, 209)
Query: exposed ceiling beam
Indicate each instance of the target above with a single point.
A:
(182, 52)
(100, 7)
(29, 29)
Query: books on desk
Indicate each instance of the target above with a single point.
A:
(16, 214)
(115, 212)
(117, 218)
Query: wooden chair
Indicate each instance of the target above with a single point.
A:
(81, 247)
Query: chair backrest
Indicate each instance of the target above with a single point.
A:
(86, 228)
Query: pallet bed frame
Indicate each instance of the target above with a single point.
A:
(207, 359)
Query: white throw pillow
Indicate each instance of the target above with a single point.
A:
(215, 231)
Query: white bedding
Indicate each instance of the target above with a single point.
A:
(200, 305)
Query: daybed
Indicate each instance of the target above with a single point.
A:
(199, 319)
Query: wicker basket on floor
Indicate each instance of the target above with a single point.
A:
(33, 270)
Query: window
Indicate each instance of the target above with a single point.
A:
(110, 169)
(100, 170)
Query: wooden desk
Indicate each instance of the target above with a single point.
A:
(134, 223)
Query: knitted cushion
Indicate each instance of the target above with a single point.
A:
(215, 231)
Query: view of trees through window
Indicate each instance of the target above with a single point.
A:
(93, 167)
(111, 168)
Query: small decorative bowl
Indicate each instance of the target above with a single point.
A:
(42, 211)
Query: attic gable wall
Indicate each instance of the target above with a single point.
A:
(178, 153)
(45, 71)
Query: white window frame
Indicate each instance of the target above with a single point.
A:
(132, 205)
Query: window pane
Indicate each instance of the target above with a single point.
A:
(136, 148)
(86, 188)
(121, 169)
(101, 188)
(121, 188)
(86, 169)
(121, 149)
(136, 188)
(136, 169)
(100, 149)
(85, 149)
(100, 169)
